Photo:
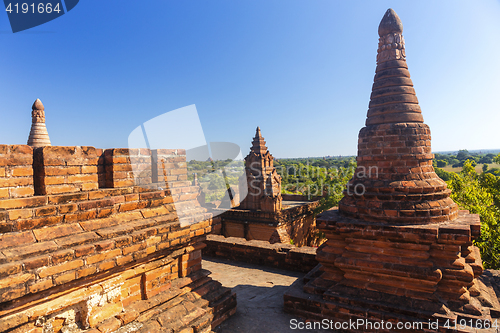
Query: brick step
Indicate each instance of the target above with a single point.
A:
(384, 303)
(224, 305)
(225, 312)
(217, 295)
(220, 300)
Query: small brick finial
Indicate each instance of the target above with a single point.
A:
(39, 137)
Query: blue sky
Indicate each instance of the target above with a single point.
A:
(301, 70)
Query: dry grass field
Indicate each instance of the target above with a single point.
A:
(478, 168)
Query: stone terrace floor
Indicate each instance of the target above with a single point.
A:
(259, 292)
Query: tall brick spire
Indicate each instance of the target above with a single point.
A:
(393, 98)
(395, 180)
(38, 134)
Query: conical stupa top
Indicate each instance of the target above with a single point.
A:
(38, 105)
(391, 23)
(38, 134)
(258, 143)
(393, 99)
(402, 186)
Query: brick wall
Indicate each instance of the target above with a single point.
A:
(98, 259)
(16, 173)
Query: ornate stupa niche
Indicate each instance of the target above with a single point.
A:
(39, 136)
(262, 180)
(398, 247)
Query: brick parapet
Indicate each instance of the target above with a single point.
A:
(65, 169)
(16, 172)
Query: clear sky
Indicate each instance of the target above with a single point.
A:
(301, 70)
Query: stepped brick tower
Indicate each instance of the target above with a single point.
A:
(38, 134)
(398, 248)
(263, 182)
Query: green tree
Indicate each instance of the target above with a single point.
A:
(441, 163)
(475, 194)
(463, 154)
(334, 185)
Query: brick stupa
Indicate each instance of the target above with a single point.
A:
(39, 137)
(398, 248)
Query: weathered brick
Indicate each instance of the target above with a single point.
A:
(20, 214)
(80, 238)
(22, 202)
(62, 256)
(21, 192)
(128, 206)
(10, 269)
(55, 180)
(37, 222)
(110, 221)
(104, 266)
(45, 211)
(40, 285)
(85, 271)
(128, 316)
(104, 245)
(53, 270)
(89, 169)
(29, 250)
(82, 178)
(69, 208)
(13, 182)
(58, 189)
(107, 311)
(16, 239)
(109, 325)
(37, 262)
(16, 279)
(133, 248)
(57, 231)
(103, 256)
(58, 171)
(65, 278)
(84, 250)
(11, 292)
(124, 260)
(65, 198)
(84, 216)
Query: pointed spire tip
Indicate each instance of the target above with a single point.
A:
(37, 105)
(391, 23)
